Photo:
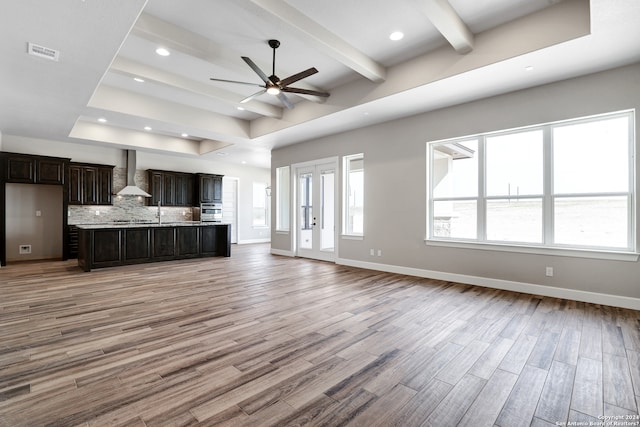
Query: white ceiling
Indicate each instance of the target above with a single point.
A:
(453, 51)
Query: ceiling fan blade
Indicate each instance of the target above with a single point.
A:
(250, 97)
(294, 78)
(235, 81)
(283, 98)
(305, 91)
(257, 70)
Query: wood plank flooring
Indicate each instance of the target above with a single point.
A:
(263, 340)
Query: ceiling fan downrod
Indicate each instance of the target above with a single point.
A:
(274, 44)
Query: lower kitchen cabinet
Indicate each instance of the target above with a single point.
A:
(108, 245)
(137, 245)
(214, 241)
(164, 243)
(188, 241)
(109, 252)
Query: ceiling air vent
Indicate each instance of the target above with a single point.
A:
(43, 52)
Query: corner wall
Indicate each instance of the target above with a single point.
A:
(395, 191)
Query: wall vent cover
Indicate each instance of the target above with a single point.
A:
(43, 52)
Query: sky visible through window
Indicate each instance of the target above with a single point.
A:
(588, 165)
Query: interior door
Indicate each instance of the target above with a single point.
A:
(316, 205)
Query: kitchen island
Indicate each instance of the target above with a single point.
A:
(109, 245)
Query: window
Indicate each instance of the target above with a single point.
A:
(560, 185)
(283, 191)
(353, 193)
(260, 205)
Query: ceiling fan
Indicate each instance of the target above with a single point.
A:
(273, 85)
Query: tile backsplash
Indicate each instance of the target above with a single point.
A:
(127, 208)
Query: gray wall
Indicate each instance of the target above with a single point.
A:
(395, 186)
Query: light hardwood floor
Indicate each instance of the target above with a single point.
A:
(257, 340)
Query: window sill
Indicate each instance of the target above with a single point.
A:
(537, 250)
(352, 237)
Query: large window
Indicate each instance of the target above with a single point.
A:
(283, 197)
(353, 195)
(562, 185)
(260, 205)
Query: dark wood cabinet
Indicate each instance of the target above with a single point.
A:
(27, 169)
(188, 242)
(105, 185)
(75, 185)
(215, 240)
(109, 252)
(171, 188)
(21, 169)
(90, 184)
(209, 188)
(110, 246)
(137, 245)
(164, 243)
(184, 189)
(49, 171)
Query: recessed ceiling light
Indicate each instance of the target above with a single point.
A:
(396, 35)
(147, 128)
(244, 162)
(138, 79)
(163, 51)
(240, 108)
(185, 135)
(221, 153)
(102, 120)
(528, 68)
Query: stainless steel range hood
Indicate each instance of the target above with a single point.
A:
(131, 189)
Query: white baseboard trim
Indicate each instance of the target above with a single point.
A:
(250, 241)
(527, 288)
(281, 252)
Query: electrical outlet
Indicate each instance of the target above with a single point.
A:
(379, 252)
(24, 249)
(372, 252)
(38, 213)
(549, 272)
(97, 213)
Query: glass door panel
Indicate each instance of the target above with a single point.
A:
(316, 194)
(305, 201)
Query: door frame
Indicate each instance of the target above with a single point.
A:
(294, 214)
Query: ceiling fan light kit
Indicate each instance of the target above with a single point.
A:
(273, 85)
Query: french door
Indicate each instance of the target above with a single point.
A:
(316, 210)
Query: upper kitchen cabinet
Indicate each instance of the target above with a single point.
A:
(170, 188)
(28, 169)
(90, 184)
(209, 188)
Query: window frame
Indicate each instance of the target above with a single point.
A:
(346, 231)
(283, 199)
(547, 246)
(260, 188)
